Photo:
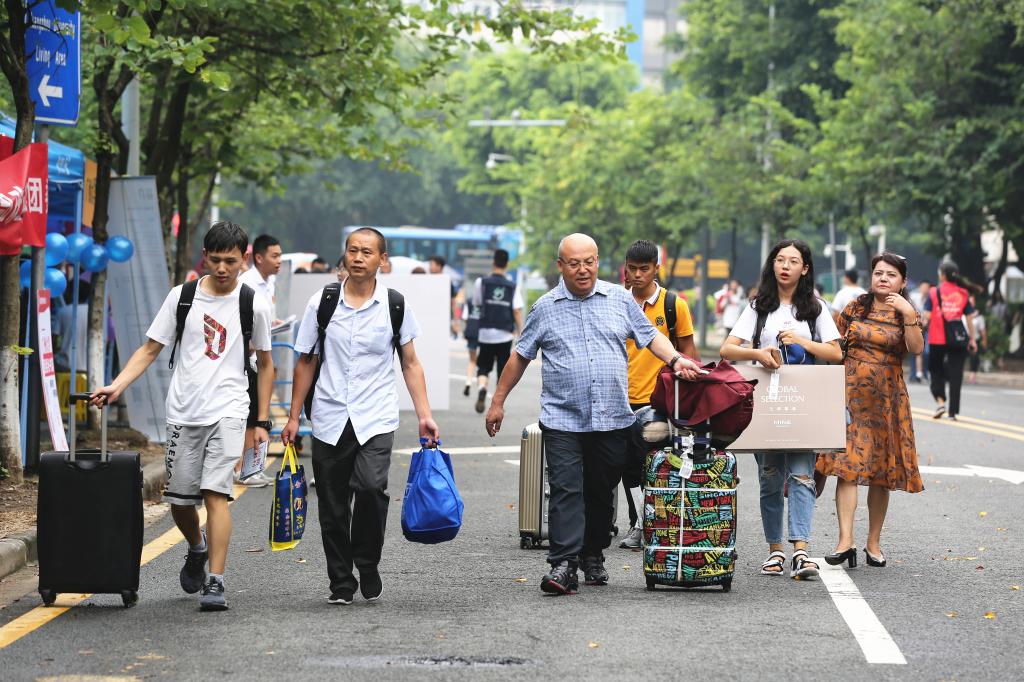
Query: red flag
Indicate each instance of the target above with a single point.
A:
(23, 197)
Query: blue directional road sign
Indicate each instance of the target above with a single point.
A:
(54, 64)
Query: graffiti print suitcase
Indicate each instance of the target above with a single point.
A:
(89, 520)
(535, 491)
(689, 521)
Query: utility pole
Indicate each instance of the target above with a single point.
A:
(832, 251)
(130, 124)
(766, 225)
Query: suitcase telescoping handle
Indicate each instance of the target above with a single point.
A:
(73, 400)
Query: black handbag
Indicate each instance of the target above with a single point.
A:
(956, 332)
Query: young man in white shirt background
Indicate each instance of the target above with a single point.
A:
(207, 404)
(355, 413)
(849, 291)
(262, 276)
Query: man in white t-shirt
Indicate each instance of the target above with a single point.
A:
(208, 402)
(849, 291)
(355, 411)
(501, 316)
(266, 263)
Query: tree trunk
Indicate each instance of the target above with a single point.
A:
(12, 63)
(965, 246)
(182, 256)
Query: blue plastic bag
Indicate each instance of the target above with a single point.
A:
(288, 513)
(432, 507)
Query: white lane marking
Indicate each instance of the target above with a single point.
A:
(491, 450)
(514, 462)
(1009, 475)
(1012, 391)
(457, 377)
(975, 391)
(871, 635)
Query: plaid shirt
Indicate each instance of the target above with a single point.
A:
(584, 366)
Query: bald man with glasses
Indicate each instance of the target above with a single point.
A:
(581, 326)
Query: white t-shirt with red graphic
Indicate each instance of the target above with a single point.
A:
(209, 380)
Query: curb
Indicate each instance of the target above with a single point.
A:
(18, 550)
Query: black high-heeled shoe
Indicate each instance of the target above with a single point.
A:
(873, 560)
(836, 558)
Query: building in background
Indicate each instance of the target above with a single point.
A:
(650, 20)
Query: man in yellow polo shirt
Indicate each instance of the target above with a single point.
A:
(640, 278)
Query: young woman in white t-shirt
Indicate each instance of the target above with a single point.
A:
(786, 296)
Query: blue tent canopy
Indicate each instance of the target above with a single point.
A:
(67, 176)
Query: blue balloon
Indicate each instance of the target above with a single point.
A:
(94, 259)
(77, 244)
(120, 248)
(56, 248)
(25, 274)
(56, 282)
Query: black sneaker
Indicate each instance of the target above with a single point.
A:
(193, 573)
(370, 586)
(561, 580)
(465, 391)
(481, 398)
(212, 598)
(594, 572)
(340, 598)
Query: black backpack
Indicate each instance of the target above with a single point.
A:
(670, 316)
(325, 311)
(245, 302)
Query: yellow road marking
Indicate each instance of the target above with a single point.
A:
(985, 422)
(41, 615)
(926, 416)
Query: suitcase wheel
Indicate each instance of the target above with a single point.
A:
(650, 584)
(615, 531)
(524, 543)
(727, 586)
(129, 598)
(49, 596)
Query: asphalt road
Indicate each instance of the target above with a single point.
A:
(472, 608)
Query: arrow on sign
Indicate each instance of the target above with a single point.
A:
(1009, 475)
(46, 91)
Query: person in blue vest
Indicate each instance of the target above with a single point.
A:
(501, 317)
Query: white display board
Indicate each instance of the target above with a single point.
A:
(137, 288)
(429, 297)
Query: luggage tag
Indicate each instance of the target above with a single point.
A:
(686, 461)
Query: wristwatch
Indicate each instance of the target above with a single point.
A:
(265, 424)
(672, 362)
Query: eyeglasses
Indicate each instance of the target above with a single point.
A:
(793, 262)
(577, 264)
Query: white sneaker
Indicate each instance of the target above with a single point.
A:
(634, 539)
(254, 481)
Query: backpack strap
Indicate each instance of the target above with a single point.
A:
(762, 318)
(396, 308)
(324, 312)
(245, 312)
(670, 316)
(188, 294)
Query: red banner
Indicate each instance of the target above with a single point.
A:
(23, 196)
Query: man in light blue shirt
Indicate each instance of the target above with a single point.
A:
(355, 413)
(581, 326)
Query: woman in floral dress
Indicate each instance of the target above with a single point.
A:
(879, 328)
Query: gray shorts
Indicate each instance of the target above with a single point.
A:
(202, 458)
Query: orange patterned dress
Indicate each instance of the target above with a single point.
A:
(880, 447)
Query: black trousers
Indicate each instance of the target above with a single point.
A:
(490, 354)
(947, 365)
(633, 472)
(583, 470)
(353, 533)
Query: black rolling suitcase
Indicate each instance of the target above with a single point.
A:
(89, 520)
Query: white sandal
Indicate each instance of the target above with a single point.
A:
(775, 559)
(802, 567)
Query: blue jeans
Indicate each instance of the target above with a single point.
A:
(774, 468)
